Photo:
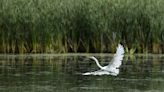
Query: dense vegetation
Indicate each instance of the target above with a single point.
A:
(60, 26)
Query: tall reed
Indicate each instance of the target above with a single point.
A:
(61, 26)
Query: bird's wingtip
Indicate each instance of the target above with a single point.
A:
(120, 45)
(120, 48)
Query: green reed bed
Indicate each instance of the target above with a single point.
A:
(60, 26)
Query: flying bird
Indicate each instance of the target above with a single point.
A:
(113, 67)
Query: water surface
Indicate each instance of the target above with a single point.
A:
(63, 73)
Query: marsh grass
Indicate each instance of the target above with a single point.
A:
(60, 26)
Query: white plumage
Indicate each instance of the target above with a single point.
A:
(113, 67)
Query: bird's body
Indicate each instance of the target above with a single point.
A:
(113, 67)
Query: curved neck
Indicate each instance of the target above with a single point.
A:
(97, 63)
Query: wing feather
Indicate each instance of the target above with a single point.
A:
(118, 57)
(100, 72)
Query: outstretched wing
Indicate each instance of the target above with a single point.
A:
(100, 72)
(118, 57)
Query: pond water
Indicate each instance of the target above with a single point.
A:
(63, 73)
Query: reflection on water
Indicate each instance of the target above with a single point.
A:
(55, 73)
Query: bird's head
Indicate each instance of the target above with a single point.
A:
(90, 58)
(93, 58)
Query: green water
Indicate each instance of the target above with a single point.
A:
(62, 73)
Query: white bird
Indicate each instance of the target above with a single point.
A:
(113, 67)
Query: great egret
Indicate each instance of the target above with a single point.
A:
(113, 67)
